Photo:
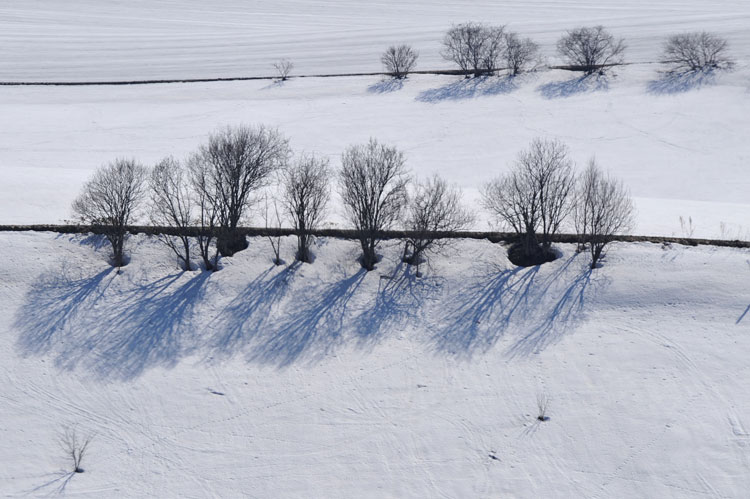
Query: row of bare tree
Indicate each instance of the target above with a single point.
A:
(483, 49)
(542, 192)
(213, 189)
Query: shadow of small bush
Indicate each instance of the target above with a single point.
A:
(672, 82)
(470, 88)
(574, 86)
(386, 86)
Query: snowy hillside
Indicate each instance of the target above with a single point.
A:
(140, 39)
(682, 153)
(325, 381)
(680, 145)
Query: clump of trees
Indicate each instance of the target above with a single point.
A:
(537, 196)
(520, 54)
(372, 186)
(236, 162)
(697, 51)
(591, 48)
(482, 49)
(399, 60)
(109, 201)
(533, 199)
(434, 207)
(474, 47)
(603, 208)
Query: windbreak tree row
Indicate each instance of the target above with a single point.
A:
(482, 49)
(217, 188)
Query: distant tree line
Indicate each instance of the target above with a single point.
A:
(480, 49)
(215, 188)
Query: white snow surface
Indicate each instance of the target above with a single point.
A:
(324, 380)
(682, 152)
(143, 39)
(680, 145)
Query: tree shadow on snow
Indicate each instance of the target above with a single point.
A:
(400, 298)
(469, 88)
(115, 338)
(312, 329)
(542, 309)
(52, 305)
(675, 82)
(249, 312)
(484, 310)
(386, 86)
(739, 319)
(565, 312)
(277, 83)
(95, 241)
(574, 86)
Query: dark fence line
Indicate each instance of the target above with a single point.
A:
(353, 234)
(457, 72)
(218, 79)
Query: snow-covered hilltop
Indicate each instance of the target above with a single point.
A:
(323, 380)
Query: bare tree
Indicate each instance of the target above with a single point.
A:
(306, 194)
(238, 161)
(74, 447)
(283, 68)
(603, 208)
(272, 220)
(592, 49)
(534, 197)
(399, 60)
(474, 47)
(172, 206)
(434, 207)
(205, 199)
(109, 200)
(521, 54)
(372, 185)
(697, 51)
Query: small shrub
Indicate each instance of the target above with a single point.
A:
(74, 447)
(697, 51)
(542, 403)
(399, 60)
(283, 68)
(591, 49)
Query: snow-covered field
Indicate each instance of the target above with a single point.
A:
(681, 153)
(140, 39)
(327, 381)
(323, 380)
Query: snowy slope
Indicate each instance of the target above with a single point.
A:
(325, 381)
(139, 39)
(682, 153)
